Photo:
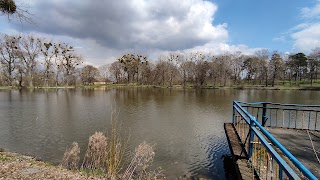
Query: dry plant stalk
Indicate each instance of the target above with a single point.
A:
(106, 155)
(71, 157)
(144, 155)
(95, 157)
(116, 147)
(19, 12)
(152, 174)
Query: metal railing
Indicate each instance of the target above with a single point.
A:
(292, 116)
(262, 148)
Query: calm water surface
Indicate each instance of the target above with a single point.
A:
(185, 126)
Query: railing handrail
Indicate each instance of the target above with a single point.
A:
(269, 148)
(295, 161)
(280, 108)
(278, 104)
(275, 155)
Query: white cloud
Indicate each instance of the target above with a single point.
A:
(313, 12)
(306, 36)
(221, 48)
(123, 24)
(108, 28)
(281, 39)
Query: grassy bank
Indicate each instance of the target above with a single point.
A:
(257, 87)
(17, 166)
(8, 87)
(317, 88)
(106, 157)
(285, 86)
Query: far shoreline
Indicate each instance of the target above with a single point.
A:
(114, 86)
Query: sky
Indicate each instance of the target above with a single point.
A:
(104, 30)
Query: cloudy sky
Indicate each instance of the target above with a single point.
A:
(103, 30)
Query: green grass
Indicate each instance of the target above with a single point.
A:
(279, 85)
(37, 87)
(4, 157)
(8, 87)
(91, 86)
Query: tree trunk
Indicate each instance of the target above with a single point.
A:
(266, 76)
(163, 77)
(273, 79)
(184, 78)
(31, 81)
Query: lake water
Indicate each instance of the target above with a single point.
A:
(185, 126)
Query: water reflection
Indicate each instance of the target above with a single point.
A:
(185, 125)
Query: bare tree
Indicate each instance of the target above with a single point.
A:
(160, 73)
(173, 59)
(214, 70)
(131, 63)
(186, 67)
(314, 64)
(104, 73)
(250, 68)
(201, 68)
(89, 74)
(299, 65)
(20, 12)
(276, 66)
(69, 60)
(28, 52)
(117, 71)
(20, 74)
(263, 56)
(145, 73)
(8, 56)
(49, 53)
(237, 60)
(224, 68)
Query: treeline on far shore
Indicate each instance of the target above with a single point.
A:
(29, 61)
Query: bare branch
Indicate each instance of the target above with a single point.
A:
(19, 12)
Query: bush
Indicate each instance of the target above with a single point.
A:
(95, 157)
(71, 157)
(105, 155)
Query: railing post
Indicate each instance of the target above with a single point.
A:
(233, 113)
(251, 138)
(264, 113)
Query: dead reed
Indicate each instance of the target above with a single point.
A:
(144, 155)
(71, 157)
(106, 155)
(116, 147)
(96, 154)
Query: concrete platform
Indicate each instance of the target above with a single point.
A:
(299, 144)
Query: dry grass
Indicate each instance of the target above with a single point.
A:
(106, 155)
(116, 147)
(138, 168)
(95, 157)
(17, 166)
(71, 157)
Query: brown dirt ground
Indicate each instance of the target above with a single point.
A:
(16, 166)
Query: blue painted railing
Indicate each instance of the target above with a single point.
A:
(262, 148)
(292, 116)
